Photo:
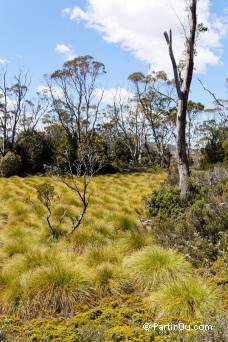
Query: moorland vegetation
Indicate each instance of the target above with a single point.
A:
(102, 229)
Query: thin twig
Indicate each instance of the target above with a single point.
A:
(218, 102)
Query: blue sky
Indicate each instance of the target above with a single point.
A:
(126, 35)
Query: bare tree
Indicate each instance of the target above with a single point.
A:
(87, 165)
(77, 178)
(183, 83)
(35, 110)
(12, 107)
(130, 120)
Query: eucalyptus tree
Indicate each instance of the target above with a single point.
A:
(183, 83)
(74, 98)
(130, 121)
(153, 95)
(194, 109)
(12, 107)
(34, 112)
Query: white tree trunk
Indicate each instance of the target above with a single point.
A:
(183, 87)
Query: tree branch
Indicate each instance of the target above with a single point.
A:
(168, 39)
(216, 100)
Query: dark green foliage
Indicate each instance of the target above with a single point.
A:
(213, 152)
(165, 203)
(196, 225)
(34, 150)
(119, 156)
(215, 136)
(59, 143)
(210, 219)
(10, 164)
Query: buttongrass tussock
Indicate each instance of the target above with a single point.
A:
(187, 298)
(110, 279)
(56, 288)
(154, 265)
(97, 255)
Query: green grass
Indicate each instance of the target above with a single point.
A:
(153, 265)
(134, 241)
(110, 279)
(187, 298)
(110, 254)
(97, 255)
(55, 288)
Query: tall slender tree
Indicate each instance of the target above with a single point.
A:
(12, 107)
(183, 83)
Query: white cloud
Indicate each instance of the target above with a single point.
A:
(10, 102)
(45, 90)
(77, 13)
(138, 26)
(66, 51)
(66, 11)
(3, 61)
(121, 95)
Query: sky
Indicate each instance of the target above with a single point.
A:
(125, 35)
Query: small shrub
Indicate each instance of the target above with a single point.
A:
(197, 225)
(165, 203)
(91, 332)
(125, 333)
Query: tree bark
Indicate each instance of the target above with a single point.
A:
(181, 153)
(183, 87)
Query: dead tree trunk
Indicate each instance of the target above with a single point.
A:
(183, 86)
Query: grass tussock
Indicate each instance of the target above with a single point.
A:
(97, 255)
(110, 279)
(187, 298)
(135, 241)
(55, 288)
(126, 223)
(154, 265)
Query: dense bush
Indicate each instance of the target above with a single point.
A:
(112, 320)
(215, 150)
(196, 225)
(165, 203)
(35, 151)
(10, 164)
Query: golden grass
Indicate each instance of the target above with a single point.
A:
(154, 265)
(35, 267)
(188, 298)
(110, 279)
